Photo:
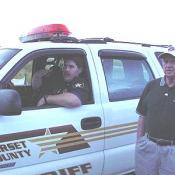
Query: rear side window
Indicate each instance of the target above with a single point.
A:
(6, 55)
(125, 77)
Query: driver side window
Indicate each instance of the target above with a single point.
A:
(43, 76)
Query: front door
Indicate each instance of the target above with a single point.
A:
(50, 139)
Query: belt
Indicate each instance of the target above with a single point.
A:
(161, 142)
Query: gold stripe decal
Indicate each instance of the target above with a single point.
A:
(61, 142)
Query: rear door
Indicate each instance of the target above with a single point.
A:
(126, 74)
(50, 139)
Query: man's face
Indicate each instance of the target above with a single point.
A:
(169, 66)
(70, 70)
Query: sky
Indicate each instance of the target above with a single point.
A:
(147, 21)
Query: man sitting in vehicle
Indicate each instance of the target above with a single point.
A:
(75, 91)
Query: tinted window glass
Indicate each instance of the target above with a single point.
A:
(125, 78)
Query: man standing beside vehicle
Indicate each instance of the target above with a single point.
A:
(155, 147)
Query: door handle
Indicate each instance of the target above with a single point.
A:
(90, 123)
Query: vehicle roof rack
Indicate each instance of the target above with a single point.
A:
(96, 40)
(57, 38)
(144, 44)
(107, 39)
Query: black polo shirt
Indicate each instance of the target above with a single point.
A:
(157, 105)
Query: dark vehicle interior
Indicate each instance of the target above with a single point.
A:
(39, 77)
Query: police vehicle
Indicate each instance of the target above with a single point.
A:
(97, 138)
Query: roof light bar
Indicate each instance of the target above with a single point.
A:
(46, 32)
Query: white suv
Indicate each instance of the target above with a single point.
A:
(97, 138)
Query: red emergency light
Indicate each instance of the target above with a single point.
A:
(46, 32)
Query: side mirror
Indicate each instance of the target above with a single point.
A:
(10, 102)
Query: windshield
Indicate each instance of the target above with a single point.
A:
(6, 55)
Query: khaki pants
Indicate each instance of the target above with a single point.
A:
(152, 159)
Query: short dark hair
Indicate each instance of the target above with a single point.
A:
(77, 59)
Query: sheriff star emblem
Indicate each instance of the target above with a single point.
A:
(48, 142)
